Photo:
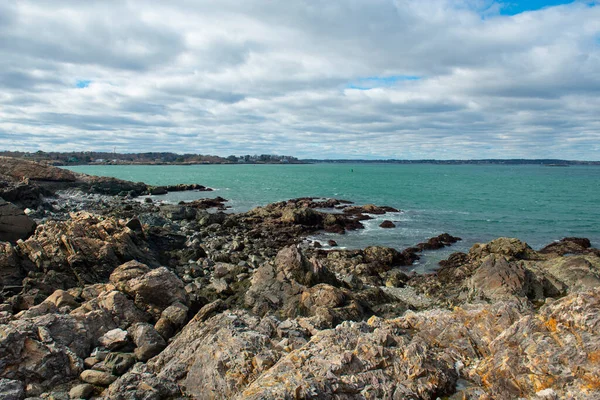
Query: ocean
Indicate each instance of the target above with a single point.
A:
(537, 204)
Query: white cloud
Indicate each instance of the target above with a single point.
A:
(280, 77)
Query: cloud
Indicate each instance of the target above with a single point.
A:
(348, 79)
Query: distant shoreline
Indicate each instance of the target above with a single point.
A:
(158, 158)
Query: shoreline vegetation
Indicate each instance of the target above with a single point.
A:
(166, 158)
(104, 296)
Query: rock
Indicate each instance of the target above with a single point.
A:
(14, 224)
(569, 245)
(99, 378)
(509, 247)
(11, 389)
(60, 299)
(119, 363)
(126, 272)
(20, 169)
(384, 256)
(438, 242)
(497, 279)
(157, 289)
(302, 216)
(278, 286)
(134, 224)
(387, 224)
(11, 271)
(171, 320)
(83, 391)
(84, 249)
(114, 339)
(47, 349)
(147, 340)
(158, 190)
(332, 243)
(216, 356)
(140, 383)
(108, 311)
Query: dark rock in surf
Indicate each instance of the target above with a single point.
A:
(387, 224)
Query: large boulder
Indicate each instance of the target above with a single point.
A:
(498, 279)
(45, 350)
(14, 224)
(279, 285)
(157, 290)
(217, 358)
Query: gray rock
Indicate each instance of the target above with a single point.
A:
(114, 339)
(83, 391)
(140, 383)
(119, 363)
(147, 340)
(14, 224)
(11, 389)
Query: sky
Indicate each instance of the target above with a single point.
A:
(370, 79)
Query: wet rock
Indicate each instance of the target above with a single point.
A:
(14, 224)
(569, 245)
(332, 243)
(387, 224)
(158, 190)
(438, 242)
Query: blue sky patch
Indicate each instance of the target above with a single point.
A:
(371, 82)
(513, 7)
(82, 83)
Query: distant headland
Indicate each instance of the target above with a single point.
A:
(167, 158)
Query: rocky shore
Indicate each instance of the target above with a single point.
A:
(107, 297)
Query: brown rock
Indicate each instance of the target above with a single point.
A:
(21, 169)
(99, 378)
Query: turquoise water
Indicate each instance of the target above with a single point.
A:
(536, 204)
